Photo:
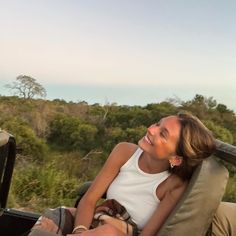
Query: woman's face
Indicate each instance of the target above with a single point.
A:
(162, 138)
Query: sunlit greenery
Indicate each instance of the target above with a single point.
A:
(62, 144)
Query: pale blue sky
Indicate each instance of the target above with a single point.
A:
(124, 51)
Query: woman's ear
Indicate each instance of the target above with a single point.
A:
(175, 161)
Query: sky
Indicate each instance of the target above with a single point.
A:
(131, 52)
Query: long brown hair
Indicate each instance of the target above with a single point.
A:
(196, 143)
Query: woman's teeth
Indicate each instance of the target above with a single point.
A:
(148, 140)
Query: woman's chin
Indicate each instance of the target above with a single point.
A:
(141, 143)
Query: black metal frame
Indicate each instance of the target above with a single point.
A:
(7, 161)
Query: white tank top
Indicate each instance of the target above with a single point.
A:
(136, 190)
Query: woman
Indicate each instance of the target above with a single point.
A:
(147, 179)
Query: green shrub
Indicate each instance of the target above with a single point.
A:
(230, 190)
(28, 144)
(38, 187)
(219, 132)
(71, 133)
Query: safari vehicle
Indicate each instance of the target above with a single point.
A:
(191, 216)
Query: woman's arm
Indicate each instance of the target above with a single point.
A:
(163, 210)
(119, 155)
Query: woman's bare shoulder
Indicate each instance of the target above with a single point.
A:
(126, 147)
(124, 150)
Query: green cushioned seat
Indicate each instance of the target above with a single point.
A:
(195, 211)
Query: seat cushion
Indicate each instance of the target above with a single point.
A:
(195, 211)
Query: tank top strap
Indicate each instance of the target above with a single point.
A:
(132, 160)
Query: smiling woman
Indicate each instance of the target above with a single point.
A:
(155, 172)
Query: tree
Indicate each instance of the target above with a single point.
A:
(27, 87)
(200, 106)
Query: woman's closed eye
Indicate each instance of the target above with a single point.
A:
(162, 134)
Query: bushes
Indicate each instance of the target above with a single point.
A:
(37, 186)
(71, 133)
(54, 182)
(230, 190)
(220, 132)
(81, 137)
(28, 144)
(115, 135)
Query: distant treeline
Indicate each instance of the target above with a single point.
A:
(62, 144)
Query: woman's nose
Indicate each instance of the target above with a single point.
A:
(152, 129)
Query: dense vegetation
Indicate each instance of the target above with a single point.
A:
(62, 144)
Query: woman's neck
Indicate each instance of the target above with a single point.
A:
(152, 165)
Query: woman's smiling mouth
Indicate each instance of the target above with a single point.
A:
(148, 140)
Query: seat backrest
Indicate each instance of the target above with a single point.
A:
(194, 212)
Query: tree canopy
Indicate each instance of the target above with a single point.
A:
(26, 87)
